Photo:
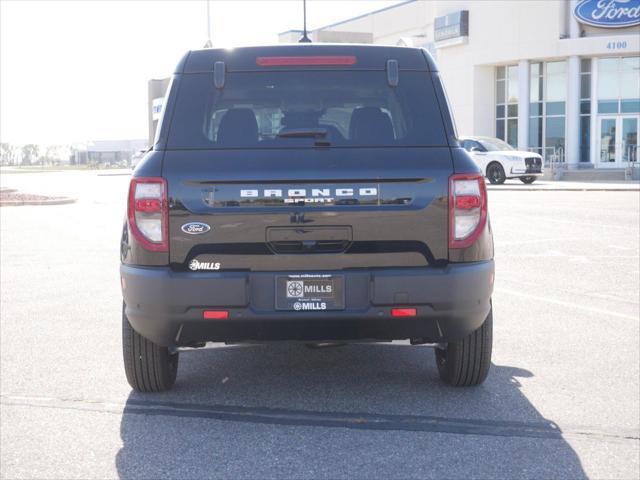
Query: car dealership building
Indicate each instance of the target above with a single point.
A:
(560, 77)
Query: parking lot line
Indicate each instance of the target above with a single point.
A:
(566, 304)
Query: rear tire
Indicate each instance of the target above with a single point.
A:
(149, 367)
(527, 180)
(466, 362)
(495, 174)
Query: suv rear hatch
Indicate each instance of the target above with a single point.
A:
(307, 167)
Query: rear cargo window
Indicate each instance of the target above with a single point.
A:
(299, 108)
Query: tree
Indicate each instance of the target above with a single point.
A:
(50, 154)
(30, 153)
(56, 154)
(6, 153)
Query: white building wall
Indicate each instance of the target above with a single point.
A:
(518, 31)
(413, 16)
(483, 102)
(360, 24)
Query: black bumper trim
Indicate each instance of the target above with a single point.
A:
(166, 306)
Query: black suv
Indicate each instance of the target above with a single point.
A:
(306, 193)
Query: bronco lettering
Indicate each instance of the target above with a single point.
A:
(315, 192)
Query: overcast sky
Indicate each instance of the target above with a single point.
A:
(75, 71)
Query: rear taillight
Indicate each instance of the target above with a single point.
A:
(467, 208)
(148, 213)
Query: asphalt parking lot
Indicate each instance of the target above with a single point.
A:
(561, 400)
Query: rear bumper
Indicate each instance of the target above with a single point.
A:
(167, 307)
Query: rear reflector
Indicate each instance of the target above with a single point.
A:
(311, 60)
(215, 315)
(467, 202)
(403, 312)
(148, 205)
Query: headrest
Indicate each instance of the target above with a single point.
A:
(370, 125)
(238, 127)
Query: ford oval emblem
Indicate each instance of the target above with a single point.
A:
(195, 228)
(608, 13)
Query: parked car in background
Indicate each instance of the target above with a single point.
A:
(499, 160)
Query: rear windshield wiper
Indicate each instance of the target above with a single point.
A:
(303, 133)
(320, 134)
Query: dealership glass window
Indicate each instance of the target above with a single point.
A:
(556, 81)
(554, 133)
(507, 103)
(585, 138)
(619, 85)
(547, 105)
(608, 78)
(535, 134)
(555, 95)
(555, 108)
(630, 77)
(585, 109)
(512, 85)
(585, 78)
(536, 84)
(630, 106)
(500, 84)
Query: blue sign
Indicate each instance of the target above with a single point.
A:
(608, 13)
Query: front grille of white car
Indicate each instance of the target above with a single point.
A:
(533, 164)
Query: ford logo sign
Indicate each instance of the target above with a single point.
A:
(608, 13)
(195, 228)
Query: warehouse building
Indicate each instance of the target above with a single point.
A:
(108, 153)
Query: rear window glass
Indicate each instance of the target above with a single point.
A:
(299, 108)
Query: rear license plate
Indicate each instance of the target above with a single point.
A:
(309, 292)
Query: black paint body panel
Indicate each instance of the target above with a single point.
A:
(405, 224)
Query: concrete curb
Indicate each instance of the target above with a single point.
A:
(53, 201)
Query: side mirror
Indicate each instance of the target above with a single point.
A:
(475, 149)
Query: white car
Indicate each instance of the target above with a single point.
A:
(499, 160)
